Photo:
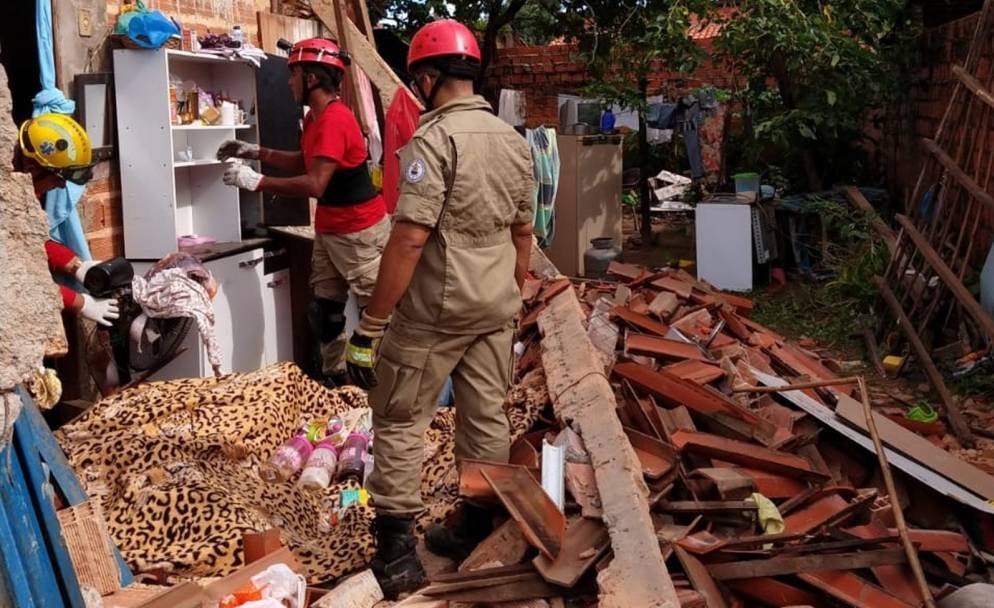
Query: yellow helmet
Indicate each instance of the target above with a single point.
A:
(59, 143)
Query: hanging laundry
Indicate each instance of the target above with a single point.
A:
(511, 107)
(401, 122)
(374, 143)
(545, 159)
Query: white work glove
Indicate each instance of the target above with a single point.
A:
(243, 177)
(233, 148)
(101, 311)
(83, 268)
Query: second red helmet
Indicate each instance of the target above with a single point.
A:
(443, 38)
(318, 50)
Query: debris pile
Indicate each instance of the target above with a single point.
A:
(673, 467)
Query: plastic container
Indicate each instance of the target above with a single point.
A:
(321, 466)
(607, 121)
(350, 459)
(237, 35)
(287, 460)
(747, 183)
(599, 257)
(336, 432)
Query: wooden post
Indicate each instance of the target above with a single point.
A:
(902, 527)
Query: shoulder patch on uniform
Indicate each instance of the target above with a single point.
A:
(415, 171)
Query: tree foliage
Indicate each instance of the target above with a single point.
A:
(811, 70)
(486, 16)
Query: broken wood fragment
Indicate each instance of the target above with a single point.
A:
(505, 545)
(784, 564)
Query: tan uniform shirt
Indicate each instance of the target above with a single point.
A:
(467, 175)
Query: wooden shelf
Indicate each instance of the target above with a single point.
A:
(210, 127)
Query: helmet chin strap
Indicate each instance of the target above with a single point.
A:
(430, 98)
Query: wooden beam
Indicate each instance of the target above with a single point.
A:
(958, 174)
(582, 395)
(782, 565)
(959, 291)
(856, 198)
(795, 387)
(974, 85)
(959, 425)
(364, 54)
(911, 553)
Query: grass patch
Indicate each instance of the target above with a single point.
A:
(807, 310)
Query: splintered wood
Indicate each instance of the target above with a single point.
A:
(582, 397)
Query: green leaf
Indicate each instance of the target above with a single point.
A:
(835, 59)
(806, 131)
(832, 98)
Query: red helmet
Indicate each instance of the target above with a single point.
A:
(443, 38)
(319, 50)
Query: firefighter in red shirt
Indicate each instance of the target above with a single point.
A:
(54, 149)
(351, 224)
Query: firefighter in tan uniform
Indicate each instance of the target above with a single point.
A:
(458, 254)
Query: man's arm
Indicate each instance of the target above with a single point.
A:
(311, 184)
(291, 161)
(401, 255)
(521, 236)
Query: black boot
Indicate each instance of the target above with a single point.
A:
(336, 380)
(396, 564)
(457, 541)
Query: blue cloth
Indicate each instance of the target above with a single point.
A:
(64, 224)
(151, 30)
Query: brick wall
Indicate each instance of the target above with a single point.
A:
(100, 207)
(919, 113)
(544, 72)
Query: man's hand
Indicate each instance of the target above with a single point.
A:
(101, 311)
(360, 354)
(243, 177)
(233, 148)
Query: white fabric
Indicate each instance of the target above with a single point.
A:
(170, 293)
(511, 107)
(369, 110)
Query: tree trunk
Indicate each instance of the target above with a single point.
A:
(809, 158)
(644, 168)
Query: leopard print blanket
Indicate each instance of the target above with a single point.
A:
(175, 466)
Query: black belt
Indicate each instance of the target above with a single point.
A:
(348, 187)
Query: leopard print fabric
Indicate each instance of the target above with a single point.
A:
(175, 466)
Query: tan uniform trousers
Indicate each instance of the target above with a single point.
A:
(412, 367)
(341, 262)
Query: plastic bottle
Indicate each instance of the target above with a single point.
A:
(336, 432)
(607, 121)
(236, 35)
(350, 462)
(287, 460)
(321, 465)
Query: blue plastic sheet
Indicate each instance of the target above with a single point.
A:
(64, 224)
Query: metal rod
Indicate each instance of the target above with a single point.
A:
(902, 527)
(796, 387)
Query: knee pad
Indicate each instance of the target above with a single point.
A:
(327, 318)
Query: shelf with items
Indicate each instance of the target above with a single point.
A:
(177, 56)
(170, 180)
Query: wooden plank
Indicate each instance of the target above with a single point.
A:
(644, 344)
(700, 578)
(856, 198)
(272, 27)
(581, 394)
(959, 425)
(784, 564)
(364, 55)
(918, 448)
(704, 507)
(744, 453)
(949, 278)
(59, 468)
(845, 586)
(974, 85)
(640, 321)
(978, 193)
(586, 541)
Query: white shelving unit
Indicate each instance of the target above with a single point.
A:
(166, 197)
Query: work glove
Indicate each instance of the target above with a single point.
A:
(233, 148)
(243, 177)
(84, 267)
(360, 353)
(100, 310)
